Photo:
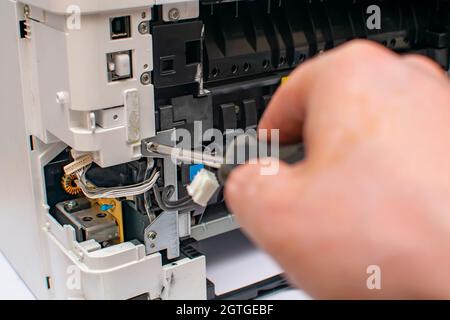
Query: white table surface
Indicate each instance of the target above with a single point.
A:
(11, 286)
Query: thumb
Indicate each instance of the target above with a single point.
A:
(263, 203)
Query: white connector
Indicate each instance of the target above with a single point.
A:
(203, 188)
(122, 65)
(78, 164)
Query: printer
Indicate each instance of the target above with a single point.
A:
(90, 207)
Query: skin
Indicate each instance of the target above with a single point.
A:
(374, 188)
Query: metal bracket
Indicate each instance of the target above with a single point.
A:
(180, 11)
(162, 234)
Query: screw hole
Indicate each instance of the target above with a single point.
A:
(215, 72)
(87, 219)
(266, 64)
(247, 67)
(282, 61)
(234, 69)
(115, 117)
(393, 42)
(101, 215)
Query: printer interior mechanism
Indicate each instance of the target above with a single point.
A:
(107, 81)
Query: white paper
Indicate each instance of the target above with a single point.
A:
(233, 262)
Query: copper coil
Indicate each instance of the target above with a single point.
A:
(69, 185)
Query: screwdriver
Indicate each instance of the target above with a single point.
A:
(186, 156)
(290, 154)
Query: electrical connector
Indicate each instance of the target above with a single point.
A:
(78, 164)
(203, 188)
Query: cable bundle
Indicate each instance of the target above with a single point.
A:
(93, 192)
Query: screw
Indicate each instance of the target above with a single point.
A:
(152, 235)
(174, 14)
(143, 27)
(72, 205)
(145, 78)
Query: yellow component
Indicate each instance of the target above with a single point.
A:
(115, 209)
(284, 80)
(69, 185)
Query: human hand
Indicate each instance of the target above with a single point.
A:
(374, 188)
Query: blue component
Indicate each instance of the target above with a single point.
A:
(106, 207)
(194, 170)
